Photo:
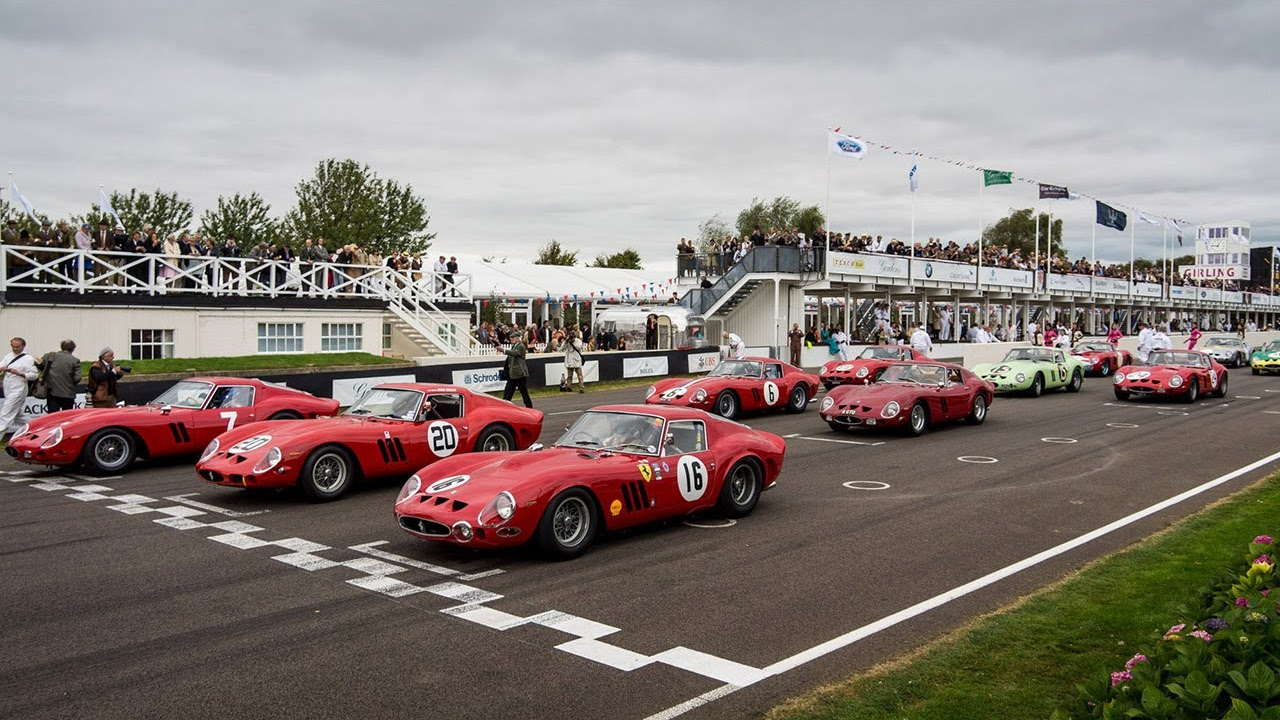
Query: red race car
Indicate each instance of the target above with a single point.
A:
(179, 422)
(618, 466)
(389, 431)
(910, 396)
(1186, 374)
(1101, 357)
(862, 369)
(739, 385)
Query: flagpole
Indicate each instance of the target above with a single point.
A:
(1093, 252)
(1048, 251)
(1133, 231)
(982, 182)
(1164, 261)
(1035, 259)
(826, 260)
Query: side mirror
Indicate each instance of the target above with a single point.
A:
(535, 447)
(166, 409)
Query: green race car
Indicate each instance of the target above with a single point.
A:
(1266, 358)
(1033, 370)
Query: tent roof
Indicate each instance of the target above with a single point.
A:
(538, 282)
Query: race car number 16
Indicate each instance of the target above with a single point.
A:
(691, 478)
(443, 438)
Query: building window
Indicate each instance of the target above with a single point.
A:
(279, 337)
(341, 337)
(150, 344)
(386, 336)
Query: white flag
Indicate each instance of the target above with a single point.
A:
(23, 201)
(1175, 229)
(911, 177)
(1142, 216)
(104, 204)
(845, 146)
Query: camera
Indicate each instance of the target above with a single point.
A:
(124, 369)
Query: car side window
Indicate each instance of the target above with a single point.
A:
(232, 396)
(954, 377)
(685, 436)
(445, 406)
(773, 371)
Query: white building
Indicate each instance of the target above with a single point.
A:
(1222, 252)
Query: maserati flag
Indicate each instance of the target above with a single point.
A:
(845, 146)
(911, 177)
(1053, 192)
(1111, 217)
(997, 177)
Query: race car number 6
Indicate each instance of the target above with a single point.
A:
(770, 393)
(691, 478)
(443, 438)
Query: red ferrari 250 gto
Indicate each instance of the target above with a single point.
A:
(734, 386)
(1185, 374)
(862, 369)
(910, 396)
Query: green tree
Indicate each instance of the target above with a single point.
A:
(627, 259)
(1017, 231)
(165, 212)
(711, 230)
(492, 310)
(782, 213)
(553, 254)
(246, 217)
(346, 202)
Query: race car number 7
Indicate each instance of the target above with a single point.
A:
(230, 417)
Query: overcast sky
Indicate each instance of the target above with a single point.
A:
(607, 125)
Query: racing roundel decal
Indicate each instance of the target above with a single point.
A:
(252, 443)
(771, 393)
(448, 483)
(442, 438)
(1213, 380)
(691, 478)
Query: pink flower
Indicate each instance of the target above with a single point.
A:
(1263, 540)
(1262, 559)
(1119, 677)
(1265, 591)
(1201, 634)
(1177, 628)
(1242, 602)
(1139, 658)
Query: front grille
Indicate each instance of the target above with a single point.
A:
(438, 500)
(847, 420)
(211, 476)
(423, 527)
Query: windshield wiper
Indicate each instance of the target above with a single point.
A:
(623, 446)
(361, 411)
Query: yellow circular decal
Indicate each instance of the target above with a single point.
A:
(615, 507)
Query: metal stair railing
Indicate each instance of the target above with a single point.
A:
(766, 259)
(411, 302)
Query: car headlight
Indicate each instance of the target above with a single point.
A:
(652, 389)
(1175, 381)
(1119, 378)
(54, 438)
(268, 461)
(890, 410)
(700, 395)
(498, 511)
(1020, 377)
(862, 372)
(827, 402)
(209, 450)
(410, 489)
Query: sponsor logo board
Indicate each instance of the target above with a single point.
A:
(348, 390)
(555, 371)
(480, 379)
(633, 367)
(703, 362)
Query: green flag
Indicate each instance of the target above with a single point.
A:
(997, 177)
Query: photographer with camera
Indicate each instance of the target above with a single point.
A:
(103, 376)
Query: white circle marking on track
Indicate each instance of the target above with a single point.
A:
(978, 459)
(1172, 413)
(866, 485)
(728, 522)
(1121, 425)
(1059, 440)
(1248, 397)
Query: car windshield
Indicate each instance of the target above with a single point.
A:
(1092, 347)
(1223, 342)
(1173, 357)
(918, 374)
(186, 394)
(387, 403)
(622, 431)
(1273, 346)
(738, 368)
(1030, 353)
(881, 353)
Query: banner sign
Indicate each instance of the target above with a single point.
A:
(1110, 286)
(1070, 283)
(890, 266)
(1214, 272)
(480, 379)
(1233, 297)
(1177, 292)
(703, 362)
(1006, 276)
(347, 390)
(644, 366)
(555, 371)
(1147, 290)
(943, 271)
(33, 408)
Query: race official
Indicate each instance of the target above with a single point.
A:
(19, 369)
(920, 341)
(62, 376)
(517, 371)
(1159, 340)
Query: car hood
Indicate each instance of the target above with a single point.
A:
(529, 473)
(708, 383)
(1154, 372)
(1260, 355)
(877, 394)
(96, 417)
(316, 430)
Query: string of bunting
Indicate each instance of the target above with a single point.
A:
(972, 166)
(652, 291)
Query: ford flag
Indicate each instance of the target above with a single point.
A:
(845, 146)
(1053, 192)
(1111, 217)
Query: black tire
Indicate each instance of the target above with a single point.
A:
(1193, 392)
(1037, 386)
(727, 405)
(495, 438)
(918, 421)
(285, 415)
(109, 450)
(741, 490)
(828, 386)
(977, 414)
(1077, 381)
(1221, 390)
(1255, 371)
(798, 402)
(328, 474)
(1106, 368)
(568, 525)
(1122, 394)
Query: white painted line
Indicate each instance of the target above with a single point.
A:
(51, 486)
(242, 542)
(486, 616)
(1121, 425)
(566, 412)
(728, 522)
(211, 508)
(1059, 440)
(1172, 413)
(92, 478)
(832, 440)
(368, 549)
(388, 586)
(705, 698)
(605, 654)
(235, 526)
(1271, 412)
(300, 545)
(977, 459)
(1248, 397)
(711, 666)
(88, 496)
(30, 472)
(479, 575)
(572, 624)
(135, 499)
(130, 508)
(463, 593)
(369, 566)
(306, 561)
(180, 523)
(180, 511)
(1270, 390)
(866, 485)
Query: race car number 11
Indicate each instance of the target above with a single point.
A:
(443, 438)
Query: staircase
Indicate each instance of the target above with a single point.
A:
(418, 318)
(738, 282)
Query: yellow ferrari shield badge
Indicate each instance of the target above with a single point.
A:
(646, 472)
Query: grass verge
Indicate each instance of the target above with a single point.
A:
(254, 363)
(1024, 661)
(597, 386)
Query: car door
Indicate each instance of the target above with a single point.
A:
(1059, 371)
(773, 390)
(229, 407)
(690, 475)
(956, 396)
(442, 430)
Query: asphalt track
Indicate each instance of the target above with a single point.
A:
(125, 600)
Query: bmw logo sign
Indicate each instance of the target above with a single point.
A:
(928, 270)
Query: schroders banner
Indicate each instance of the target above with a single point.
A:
(1110, 286)
(890, 266)
(480, 379)
(1147, 290)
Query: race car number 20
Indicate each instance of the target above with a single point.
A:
(691, 478)
(442, 438)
